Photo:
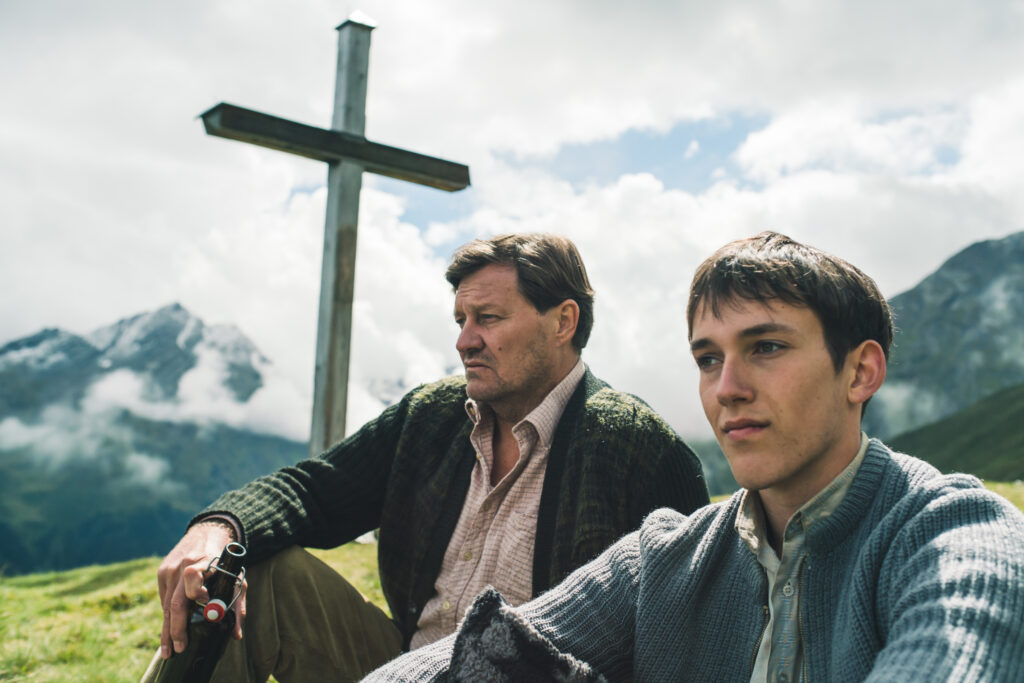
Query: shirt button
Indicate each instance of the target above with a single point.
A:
(782, 677)
(447, 605)
(787, 590)
(467, 555)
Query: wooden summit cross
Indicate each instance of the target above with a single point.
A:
(347, 153)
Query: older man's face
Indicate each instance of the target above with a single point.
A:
(507, 346)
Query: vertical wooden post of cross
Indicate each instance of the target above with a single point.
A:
(337, 283)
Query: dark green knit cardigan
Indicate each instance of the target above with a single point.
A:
(612, 461)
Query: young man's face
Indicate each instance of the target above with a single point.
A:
(780, 411)
(507, 346)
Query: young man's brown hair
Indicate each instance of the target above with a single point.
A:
(771, 266)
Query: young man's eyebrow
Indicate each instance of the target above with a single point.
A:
(698, 344)
(754, 331)
(765, 328)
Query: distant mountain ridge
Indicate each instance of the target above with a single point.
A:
(161, 346)
(110, 442)
(960, 338)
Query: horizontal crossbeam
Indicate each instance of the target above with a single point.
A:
(236, 123)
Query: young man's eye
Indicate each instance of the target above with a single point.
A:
(767, 347)
(706, 361)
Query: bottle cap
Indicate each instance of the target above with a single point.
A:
(215, 610)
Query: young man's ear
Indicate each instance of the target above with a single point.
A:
(868, 363)
(568, 317)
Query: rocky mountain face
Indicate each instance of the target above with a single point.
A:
(960, 338)
(54, 366)
(100, 460)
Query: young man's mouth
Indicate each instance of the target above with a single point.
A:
(743, 428)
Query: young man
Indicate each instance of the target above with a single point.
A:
(839, 560)
(512, 476)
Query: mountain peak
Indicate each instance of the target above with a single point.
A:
(130, 336)
(158, 347)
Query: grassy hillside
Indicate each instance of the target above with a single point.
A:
(102, 623)
(985, 439)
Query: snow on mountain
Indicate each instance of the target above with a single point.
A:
(39, 352)
(111, 441)
(165, 364)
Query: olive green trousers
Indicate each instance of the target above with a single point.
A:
(304, 623)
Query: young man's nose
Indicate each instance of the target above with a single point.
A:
(733, 384)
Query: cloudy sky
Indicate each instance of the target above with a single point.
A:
(650, 132)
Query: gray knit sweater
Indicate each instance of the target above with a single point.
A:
(915, 576)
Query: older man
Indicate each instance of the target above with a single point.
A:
(839, 560)
(512, 476)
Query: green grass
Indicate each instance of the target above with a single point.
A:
(1013, 491)
(102, 623)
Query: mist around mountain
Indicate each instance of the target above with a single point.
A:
(959, 338)
(111, 441)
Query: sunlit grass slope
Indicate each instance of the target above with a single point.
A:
(102, 623)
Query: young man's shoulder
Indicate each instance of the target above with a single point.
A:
(911, 479)
(916, 508)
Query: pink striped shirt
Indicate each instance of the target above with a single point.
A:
(493, 540)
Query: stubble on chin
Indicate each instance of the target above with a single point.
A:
(480, 391)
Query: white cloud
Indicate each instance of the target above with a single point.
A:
(278, 407)
(61, 434)
(151, 472)
(840, 139)
(15, 434)
(893, 139)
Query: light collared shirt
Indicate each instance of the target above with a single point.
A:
(780, 654)
(494, 538)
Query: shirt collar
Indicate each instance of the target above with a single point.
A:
(750, 521)
(543, 418)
